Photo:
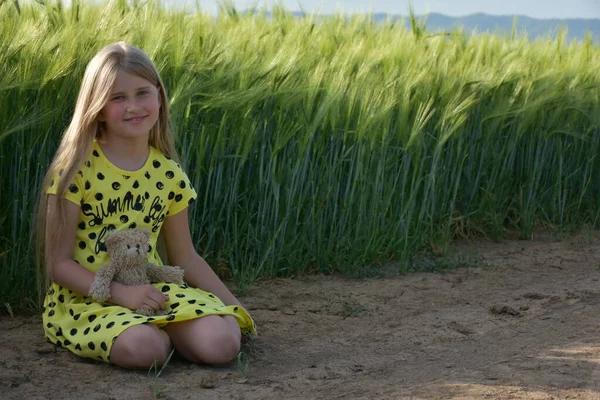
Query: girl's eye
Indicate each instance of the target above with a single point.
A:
(117, 98)
(143, 93)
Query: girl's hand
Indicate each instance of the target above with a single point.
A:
(135, 297)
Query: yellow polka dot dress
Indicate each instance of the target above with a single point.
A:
(109, 199)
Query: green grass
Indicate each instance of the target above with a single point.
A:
(316, 145)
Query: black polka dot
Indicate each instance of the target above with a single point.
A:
(160, 185)
(170, 318)
(73, 189)
(169, 174)
(126, 176)
(147, 175)
(80, 172)
(149, 249)
(110, 325)
(49, 325)
(51, 292)
(88, 164)
(193, 301)
(92, 235)
(52, 304)
(88, 185)
(95, 153)
(87, 330)
(182, 184)
(92, 346)
(99, 196)
(156, 164)
(198, 312)
(191, 201)
(73, 332)
(86, 207)
(91, 259)
(157, 207)
(82, 245)
(178, 198)
(126, 323)
(150, 319)
(121, 314)
(81, 225)
(171, 195)
(235, 309)
(174, 306)
(133, 225)
(124, 219)
(61, 298)
(146, 195)
(147, 219)
(78, 347)
(136, 184)
(59, 332)
(137, 317)
(61, 172)
(103, 346)
(165, 289)
(100, 176)
(59, 343)
(180, 295)
(97, 328)
(52, 183)
(66, 342)
(70, 309)
(116, 185)
(91, 318)
(76, 316)
(211, 295)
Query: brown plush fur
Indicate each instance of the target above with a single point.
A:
(128, 251)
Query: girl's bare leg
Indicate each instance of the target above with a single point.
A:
(213, 339)
(140, 347)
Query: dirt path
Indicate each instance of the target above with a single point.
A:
(520, 323)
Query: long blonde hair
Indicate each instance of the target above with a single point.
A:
(77, 141)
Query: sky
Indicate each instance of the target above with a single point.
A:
(544, 9)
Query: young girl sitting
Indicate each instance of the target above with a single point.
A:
(117, 168)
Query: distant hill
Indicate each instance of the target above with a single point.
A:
(503, 24)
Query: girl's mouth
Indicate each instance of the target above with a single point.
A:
(136, 119)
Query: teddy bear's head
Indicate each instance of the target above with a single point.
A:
(128, 245)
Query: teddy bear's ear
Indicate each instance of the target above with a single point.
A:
(145, 233)
(113, 239)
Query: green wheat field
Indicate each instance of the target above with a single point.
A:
(328, 145)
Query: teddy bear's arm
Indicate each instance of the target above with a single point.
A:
(100, 287)
(165, 274)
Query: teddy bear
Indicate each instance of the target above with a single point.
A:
(128, 250)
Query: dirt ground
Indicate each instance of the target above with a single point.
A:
(520, 320)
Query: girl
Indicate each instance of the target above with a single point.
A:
(116, 168)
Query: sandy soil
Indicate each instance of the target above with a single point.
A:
(518, 321)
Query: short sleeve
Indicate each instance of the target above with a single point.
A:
(184, 195)
(74, 191)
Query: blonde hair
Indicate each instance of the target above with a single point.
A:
(77, 141)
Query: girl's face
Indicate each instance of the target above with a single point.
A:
(132, 108)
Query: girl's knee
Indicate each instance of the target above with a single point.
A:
(141, 347)
(218, 342)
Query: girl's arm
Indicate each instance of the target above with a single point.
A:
(180, 249)
(64, 271)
